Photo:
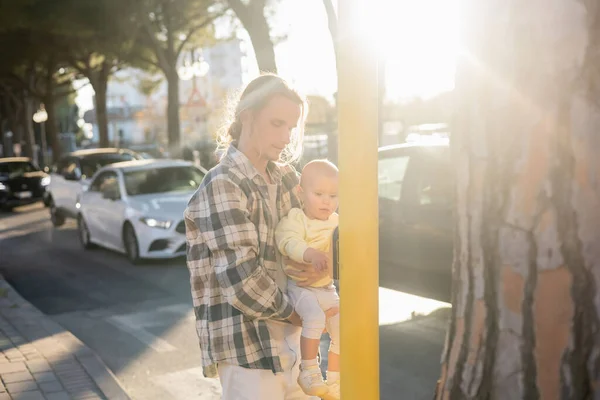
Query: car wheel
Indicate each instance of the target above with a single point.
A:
(130, 243)
(56, 216)
(84, 233)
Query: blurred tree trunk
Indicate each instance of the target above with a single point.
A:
(99, 79)
(51, 128)
(170, 69)
(332, 24)
(173, 123)
(526, 302)
(27, 126)
(252, 16)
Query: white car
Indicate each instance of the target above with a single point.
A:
(136, 208)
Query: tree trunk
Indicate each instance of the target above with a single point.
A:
(27, 124)
(333, 25)
(171, 57)
(253, 18)
(526, 306)
(173, 128)
(99, 82)
(50, 127)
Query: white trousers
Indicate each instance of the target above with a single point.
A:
(311, 304)
(258, 384)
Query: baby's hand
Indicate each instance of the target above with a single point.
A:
(316, 258)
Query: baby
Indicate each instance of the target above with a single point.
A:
(305, 237)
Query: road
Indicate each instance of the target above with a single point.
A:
(140, 322)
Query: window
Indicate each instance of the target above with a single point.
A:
(91, 164)
(105, 181)
(17, 168)
(390, 175)
(70, 168)
(162, 180)
(436, 182)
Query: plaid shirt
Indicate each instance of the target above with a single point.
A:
(231, 256)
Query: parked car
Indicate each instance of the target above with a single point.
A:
(137, 208)
(71, 175)
(148, 150)
(21, 182)
(416, 203)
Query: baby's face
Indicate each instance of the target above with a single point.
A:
(320, 196)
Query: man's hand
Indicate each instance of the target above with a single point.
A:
(304, 274)
(316, 258)
(295, 319)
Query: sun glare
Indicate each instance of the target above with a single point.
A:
(419, 42)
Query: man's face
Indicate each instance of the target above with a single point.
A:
(272, 127)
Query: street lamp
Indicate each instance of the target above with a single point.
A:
(40, 117)
(198, 68)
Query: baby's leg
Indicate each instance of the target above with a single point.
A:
(307, 306)
(328, 299)
(313, 323)
(333, 357)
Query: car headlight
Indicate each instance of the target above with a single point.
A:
(45, 181)
(3, 187)
(156, 223)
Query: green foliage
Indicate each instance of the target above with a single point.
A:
(168, 27)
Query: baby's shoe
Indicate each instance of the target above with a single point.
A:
(334, 390)
(311, 381)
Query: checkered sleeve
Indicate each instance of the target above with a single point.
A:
(223, 220)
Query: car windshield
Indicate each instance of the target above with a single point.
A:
(16, 168)
(91, 164)
(162, 180)
(390, 176)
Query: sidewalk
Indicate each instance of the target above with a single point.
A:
(40, 360)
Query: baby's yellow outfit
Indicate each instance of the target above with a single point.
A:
(296, 232)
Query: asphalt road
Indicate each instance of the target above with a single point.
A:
(140, 321)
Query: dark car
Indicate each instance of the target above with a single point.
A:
(72, 174)
(21, 182)
(416, 203)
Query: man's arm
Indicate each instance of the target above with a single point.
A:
(220, 213)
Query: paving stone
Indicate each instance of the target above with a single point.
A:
(16, 377)
(51, 387)
(38, 366)
(24, 386)
(41, 377)
(58, 396)
(35, 395)
(12, 367)
(86, 395)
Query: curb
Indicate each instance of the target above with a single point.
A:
(98, 371)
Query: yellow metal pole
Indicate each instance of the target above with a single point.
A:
(358, 142)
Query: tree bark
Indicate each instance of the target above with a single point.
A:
(27, 125)
(333, 25)
(99, 81)
(171, 57)
(253, 18)
(526, 307)
(50, 127)
(173, 110)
